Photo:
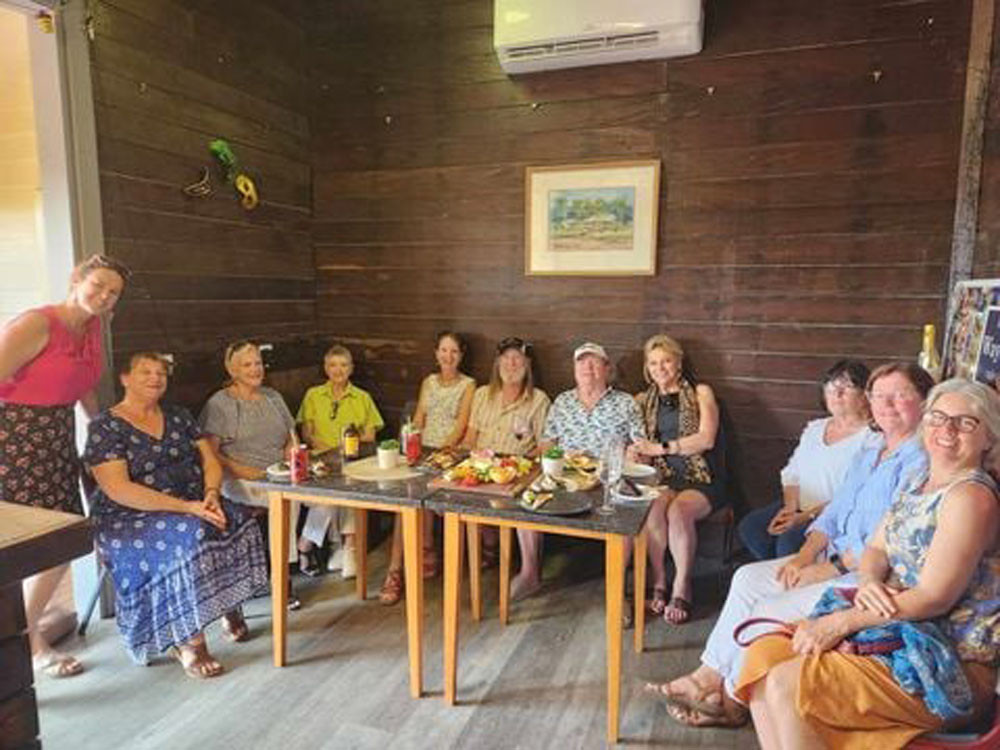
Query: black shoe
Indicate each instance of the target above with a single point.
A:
(294, 602)
(309, 563)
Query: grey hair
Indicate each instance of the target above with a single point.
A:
(985, 403)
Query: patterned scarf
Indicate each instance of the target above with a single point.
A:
(696, 469)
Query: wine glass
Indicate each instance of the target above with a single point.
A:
(519, 427)
(610, 466)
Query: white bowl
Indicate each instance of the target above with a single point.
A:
(638, 471)
(387, 458)
(553, 466)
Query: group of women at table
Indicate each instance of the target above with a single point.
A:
(885, 532)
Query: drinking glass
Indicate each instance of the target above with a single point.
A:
(610, 466)
(519, 427)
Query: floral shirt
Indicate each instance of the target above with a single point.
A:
(973, 624)
(575, 428)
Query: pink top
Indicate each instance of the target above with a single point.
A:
(65, 370)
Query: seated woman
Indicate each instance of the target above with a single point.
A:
(180, 555)
(326, 411)
(931, 574)
(789, 587)
(681, 416)
(442, 415)
(508, 415)
(816, 467)
(250, 428)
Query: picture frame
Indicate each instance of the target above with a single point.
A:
(973, 321)
(592, 219)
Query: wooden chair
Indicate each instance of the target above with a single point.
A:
(990, 740)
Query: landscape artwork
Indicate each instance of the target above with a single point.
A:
(592, 219)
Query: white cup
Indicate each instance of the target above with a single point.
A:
(387, 458)
(553, 466)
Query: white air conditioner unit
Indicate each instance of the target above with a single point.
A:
(531, 35)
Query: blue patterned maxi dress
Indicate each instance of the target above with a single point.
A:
(174, 573)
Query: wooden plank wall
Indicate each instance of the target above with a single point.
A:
(809, 160)
(986, 263)
(169, 77)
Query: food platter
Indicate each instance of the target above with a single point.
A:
(488, 473)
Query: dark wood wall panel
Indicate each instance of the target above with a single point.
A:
(169, 77)
(987, 249)
(809, 161)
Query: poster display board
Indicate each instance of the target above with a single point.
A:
(972, 341)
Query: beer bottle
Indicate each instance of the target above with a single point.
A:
(351, 442)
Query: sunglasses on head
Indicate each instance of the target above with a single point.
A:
(103, 261)
(236, 346)
(512, 342)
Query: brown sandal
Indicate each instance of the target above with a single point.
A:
(392, 588)
(196, 662)
(234, 627)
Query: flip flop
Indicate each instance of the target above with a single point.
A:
(681, 606)
(691, 717)
(59, 665)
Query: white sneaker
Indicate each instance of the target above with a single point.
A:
(350, 565)
(336, 560)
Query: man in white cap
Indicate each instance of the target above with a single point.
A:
(586, 418)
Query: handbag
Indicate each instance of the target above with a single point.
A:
(852, 644)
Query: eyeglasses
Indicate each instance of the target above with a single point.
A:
(839, 387)
(512, 342)
(891, 397)
(961, 422)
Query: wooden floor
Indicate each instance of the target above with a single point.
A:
(537, 683)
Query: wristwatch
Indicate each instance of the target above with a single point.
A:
(837, 561)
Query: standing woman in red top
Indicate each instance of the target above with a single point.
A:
(50, 358)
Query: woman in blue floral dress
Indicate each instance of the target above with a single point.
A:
(180, 555)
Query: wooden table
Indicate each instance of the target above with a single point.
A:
(395, 496)
(471, 510)
(31, 540)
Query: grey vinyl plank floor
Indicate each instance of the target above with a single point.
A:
(537, 683)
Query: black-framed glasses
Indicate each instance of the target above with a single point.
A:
(513, 342)
(961, 422)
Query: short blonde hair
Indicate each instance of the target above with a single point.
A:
(664, 343)
(338, 350)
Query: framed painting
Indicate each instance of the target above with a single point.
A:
(595, 219)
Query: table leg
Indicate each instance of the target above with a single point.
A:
(413, 552)
(278, 529)
(506, 532)
(475, 554)
(452, 591)
(614, 593)
(361, 547)
(639, 581)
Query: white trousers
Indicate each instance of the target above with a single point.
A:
(755, 592)
(321, 517)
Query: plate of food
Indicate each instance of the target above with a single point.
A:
(579, 461)
(279, 470)
(555, 503)
(485, 471)
(442, 459)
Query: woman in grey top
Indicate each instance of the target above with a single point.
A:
(248, 426)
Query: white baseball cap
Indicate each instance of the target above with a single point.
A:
(590, 348)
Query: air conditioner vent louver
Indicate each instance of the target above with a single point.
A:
(575, 46)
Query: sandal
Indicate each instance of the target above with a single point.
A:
(59, 665)
(729, 714)
(392, 588)
(234, 627)
(658, 603)
(687, 701)
(677, 611)
(196, 662)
